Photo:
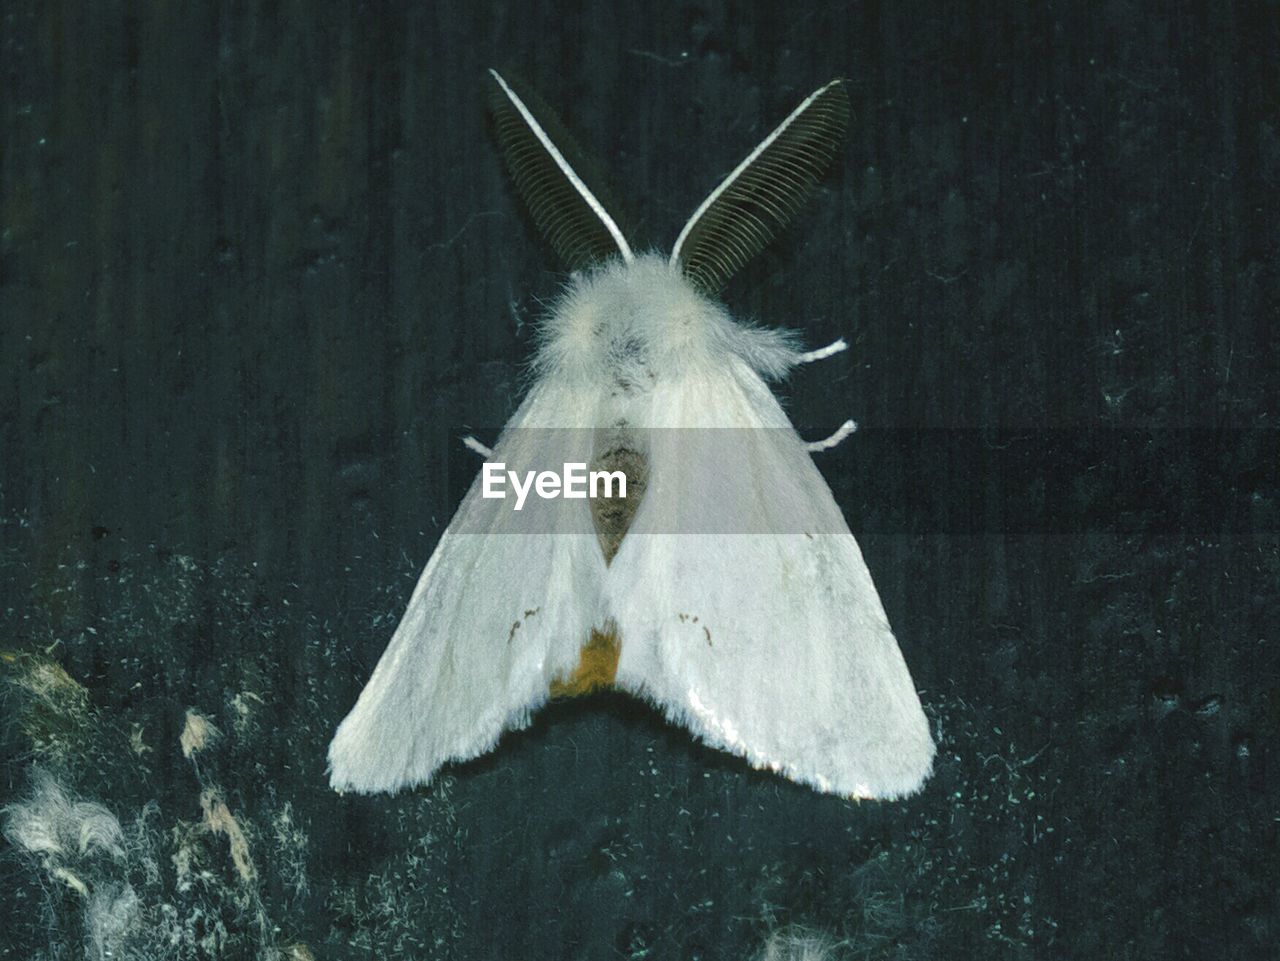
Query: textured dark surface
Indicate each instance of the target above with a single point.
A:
(260, 268)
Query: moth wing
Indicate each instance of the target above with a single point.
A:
(501, 609)
(745, 609)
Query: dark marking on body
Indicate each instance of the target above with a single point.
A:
(612, 516)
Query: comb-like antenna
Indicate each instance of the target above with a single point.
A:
(761, 195)
(570, 216)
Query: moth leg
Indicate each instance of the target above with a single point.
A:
(822, 353)
(843, 431)
(472, 444)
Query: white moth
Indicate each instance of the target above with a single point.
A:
(727, 589)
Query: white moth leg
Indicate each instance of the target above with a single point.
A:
(822, 353)
(849, 426)
(471, 443)
(845, 429)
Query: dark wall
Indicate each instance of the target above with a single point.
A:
(260, 268)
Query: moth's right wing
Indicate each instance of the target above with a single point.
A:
(745, 608)
(501, 610)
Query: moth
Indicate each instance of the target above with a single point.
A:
(726, 588)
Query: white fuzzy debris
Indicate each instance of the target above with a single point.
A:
(111, 919)
(48, 681)
(65, 835)
(54, 826)
(798, 944)
(136, 744)
(197, 733)
(218, 819)
(244, 704)
(70, 879)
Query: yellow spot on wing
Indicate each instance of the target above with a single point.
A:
(597, 665)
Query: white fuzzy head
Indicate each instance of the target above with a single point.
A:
(638, 321)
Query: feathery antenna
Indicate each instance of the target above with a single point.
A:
(759, 198)
(567, 211)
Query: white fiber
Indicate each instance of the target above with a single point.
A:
(197, 733)
(798, 944)
(55, 826)
(112, 916)
(219, 820)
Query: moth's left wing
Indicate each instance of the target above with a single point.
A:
(743, 604)
(500, 612)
